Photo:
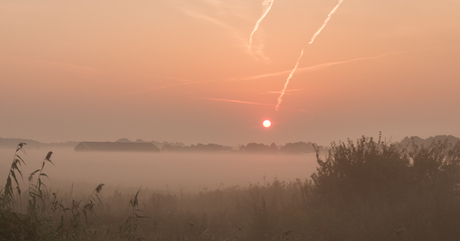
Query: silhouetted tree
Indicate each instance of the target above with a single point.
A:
(209, 148)
(196, 148)
(273, 148)
(171, 148)
(415, 140)
(123, 140)
(297, 148)
(256, 148)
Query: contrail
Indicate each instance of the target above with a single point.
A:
(247, 102)
(148, 90)
(325, 21)
(70, 67)
(234, 32)
(280, 98)
(267, 4)
(315, 67)
(235, 101)
(278, 92)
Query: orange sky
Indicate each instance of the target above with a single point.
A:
(162, 70)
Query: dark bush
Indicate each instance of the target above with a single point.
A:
(371, 190)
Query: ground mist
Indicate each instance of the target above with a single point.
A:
(362, 190)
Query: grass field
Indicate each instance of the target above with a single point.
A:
(362, 190)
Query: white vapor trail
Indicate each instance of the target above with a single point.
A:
(267, 5)
(325, 22)
(215, 21)
(316, 67)
(280, 98)
(235, 101)
(258, 54)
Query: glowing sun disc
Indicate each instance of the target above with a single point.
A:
(267, 123)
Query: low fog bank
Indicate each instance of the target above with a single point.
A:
(163, 171)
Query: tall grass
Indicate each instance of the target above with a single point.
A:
(7, 194)
(362, 190)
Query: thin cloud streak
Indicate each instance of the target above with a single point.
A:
(257, 51)
(316, 67)
(234, 101)
(299, 70)
(182, 82)
(215, 21)
(248, 103)
(280, 98)
(234, 33)
(267, 4)
(178, 79)
(150, 89)
(61, 65)
(287, 91)
(325, 22)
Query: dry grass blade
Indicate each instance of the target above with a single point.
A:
(75, 205)
(89, 206)
(32, 175)
(17, 168)
(20, 159)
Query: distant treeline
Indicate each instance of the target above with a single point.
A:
(289, 148)
(415, 140)
(11, 143)
(256, 148)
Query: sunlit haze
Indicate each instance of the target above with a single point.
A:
(230, 120)
(181, 70)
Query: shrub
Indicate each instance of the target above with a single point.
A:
(368, 190)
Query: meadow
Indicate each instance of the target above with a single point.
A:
(161, 171)
(361, 190)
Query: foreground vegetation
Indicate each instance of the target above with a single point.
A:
(362, 190)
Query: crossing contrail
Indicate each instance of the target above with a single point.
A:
(280, 98)
(325, 21)
(248, 102)
(235, 101)
(316, 67)
(267, 4)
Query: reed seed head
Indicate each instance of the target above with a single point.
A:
(99, 187)
(48, 156)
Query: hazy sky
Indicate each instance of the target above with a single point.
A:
(181, 70)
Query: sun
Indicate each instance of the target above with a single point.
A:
(267, 123)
